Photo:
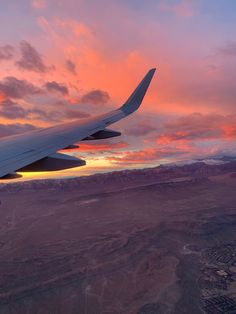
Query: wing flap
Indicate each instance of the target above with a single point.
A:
(106, 133)
(54, 162)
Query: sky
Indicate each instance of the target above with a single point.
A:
(62, 60)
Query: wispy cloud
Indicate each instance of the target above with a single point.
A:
(39, 4)
(11, 87)
(56, 87)
(183, 8)
(17, 128)
(95, 97)
(70, 66)
(145, 156)
(227, 50)
(140, 129)
(30, 59)
(6, 52)
(198, 127)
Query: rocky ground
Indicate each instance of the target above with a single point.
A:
(159, 240)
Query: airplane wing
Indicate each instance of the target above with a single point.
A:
(37, 150)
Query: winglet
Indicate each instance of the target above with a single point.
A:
(135, 99)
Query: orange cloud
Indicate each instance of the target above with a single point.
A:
(146, 156)
(198, 126)
(98, 146)
(2, 96)
(229, 131)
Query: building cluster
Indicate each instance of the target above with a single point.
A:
(218, 272)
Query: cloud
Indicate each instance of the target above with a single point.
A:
(44, 115)
(12, 129)
(30, 59)
(75, 114)
(228, 50)
(183, 8)
(11, 110)
(70, 66)
(145, 156)
(56, 87)
(39, 4)
(56, 116)
(104, 146)
(140, 129)
(15, 88)
(95, 97)
(6, 52)
(198, 126)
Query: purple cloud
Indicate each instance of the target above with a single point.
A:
(30, 59)
(140, 129)
(12, 129)
(56, 87)
(43, 115)
(11, 110)
(56, 116)
(228, 50)
(74, 114)
(6, 52)
(95, 97)
(70, 66)
(14, 88)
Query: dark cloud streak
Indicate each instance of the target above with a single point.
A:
(140, 129)
(14, 88)
(75, 114)
(57, 87)
(70, 66)
(228, 50)
(30, 59)
(11, 110)
(95, 97)
(17, 128)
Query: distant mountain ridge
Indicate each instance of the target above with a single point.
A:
(125, 178)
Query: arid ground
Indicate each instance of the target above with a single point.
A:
(159, 240)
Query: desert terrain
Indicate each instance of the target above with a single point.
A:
(159, 240)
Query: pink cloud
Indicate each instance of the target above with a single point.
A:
(184, 8)
(197, 126)
(39, 4)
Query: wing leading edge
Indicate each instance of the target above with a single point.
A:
(17, 152)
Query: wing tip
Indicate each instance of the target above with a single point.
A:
(136, 98)
(152, 69)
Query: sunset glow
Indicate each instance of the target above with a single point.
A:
(65, 60)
